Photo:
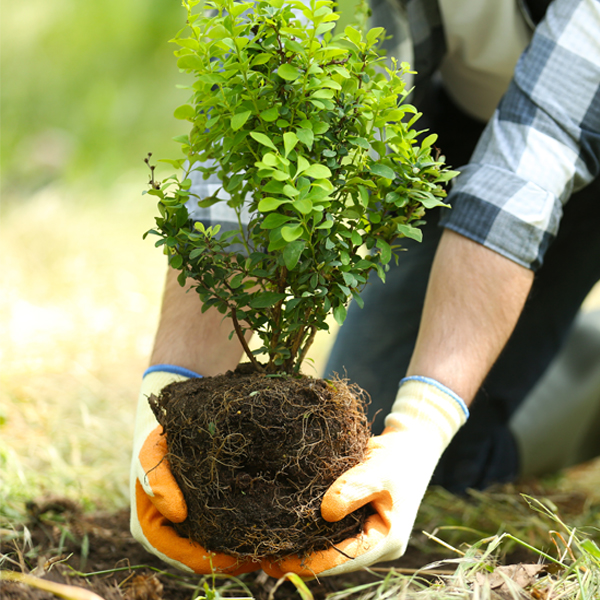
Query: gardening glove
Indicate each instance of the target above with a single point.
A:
(392, 478)
(156, 500)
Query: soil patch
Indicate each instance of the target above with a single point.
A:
(254, 454)
(98, 553)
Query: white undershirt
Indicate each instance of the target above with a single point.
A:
(484, 41)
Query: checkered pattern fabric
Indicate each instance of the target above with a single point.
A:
(542, 144)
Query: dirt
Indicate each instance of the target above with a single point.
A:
(61, 544)
(254, 454)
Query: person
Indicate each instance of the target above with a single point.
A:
(470, 320)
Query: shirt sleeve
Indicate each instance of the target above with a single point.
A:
(541, 145)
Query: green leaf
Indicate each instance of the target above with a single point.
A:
(429, 141)
(237, 9)
(382, 170)
(363, 195)
(289, 141)
(238, 120)
(261, 59)
(323, 27)
(274, 220)
(261, 138)
(353, 35)
(306, 136)
(292, 253)
(385, 251)
(325, 225)
(410, 232)
(273, 187)
(358, 300)
(185, 111)
(266, 299)
(270, 115)
(303, 164)
(320, 127)
(331, 83)
(237, 280)
(270, 159)
(339, 314)
(303, 206)
(591, 548)
(190, 62)
(288, 72)
(186, 43)
(360, 142)
(374, 33)
(325, 93)
(430, 201)
(269, 203)
(447, 175)
(280, 175)
(290, 191)
(176, 261)
(317, 171)
(212, 78)
(291, 232)
(235, 182)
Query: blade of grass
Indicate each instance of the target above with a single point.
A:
(302, 588)
(68, 592)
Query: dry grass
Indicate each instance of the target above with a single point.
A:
(79, 309)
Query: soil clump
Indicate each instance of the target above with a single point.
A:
(254, 454)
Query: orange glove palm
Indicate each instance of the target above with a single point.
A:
(157, 501)
(393, 479)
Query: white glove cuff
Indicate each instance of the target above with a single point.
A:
(155, 379)
(425, 404)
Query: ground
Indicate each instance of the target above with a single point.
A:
(60, 542)
(57, 531)
(81, 294)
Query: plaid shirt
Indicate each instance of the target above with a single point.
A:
(542, 143)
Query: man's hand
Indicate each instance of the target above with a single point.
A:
(156, 500)
(393, 479)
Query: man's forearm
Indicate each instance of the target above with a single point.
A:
(474, 299)
(189, 338)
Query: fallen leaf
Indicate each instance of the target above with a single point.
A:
(521, 575)
(144, 587)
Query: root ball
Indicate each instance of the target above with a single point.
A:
(254, 455)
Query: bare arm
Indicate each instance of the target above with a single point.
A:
(188, 338)
(474, 299)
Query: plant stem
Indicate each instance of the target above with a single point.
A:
(307, 345)
(242, 338)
